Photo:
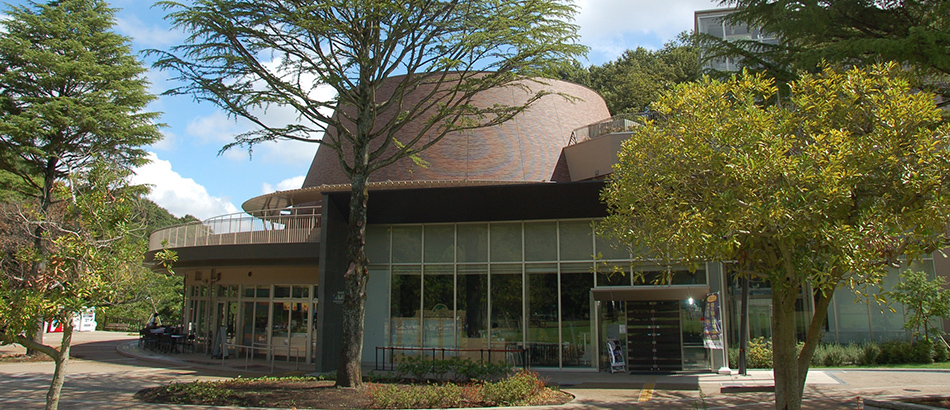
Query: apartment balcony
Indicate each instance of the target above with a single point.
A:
(269, 226)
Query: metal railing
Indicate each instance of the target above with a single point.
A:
(617, 123)
(387, 359)
(285, 225)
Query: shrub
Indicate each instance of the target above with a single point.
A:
(759, 354)
(836, 355)
(516, 390)
(895, 352)
(922, 352)
(941, 352)
(415, 367)
(869, 354)
(415, 397)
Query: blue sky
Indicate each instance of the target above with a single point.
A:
(188, 175)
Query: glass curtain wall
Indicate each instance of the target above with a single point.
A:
(263, 317)
(499, 286)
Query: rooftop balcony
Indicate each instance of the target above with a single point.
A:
(269, 226)
(616, 124)
(592, 150)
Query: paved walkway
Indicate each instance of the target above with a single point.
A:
(109, 368)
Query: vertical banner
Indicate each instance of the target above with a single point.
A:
(712, 322)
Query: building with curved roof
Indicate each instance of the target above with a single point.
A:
(488, 252)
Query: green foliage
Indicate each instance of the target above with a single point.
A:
(941, 352)
(925, 299)
(913, 33)
(759, 353)
(451, 369)
(836, 355)
(72, 93)
(633, 81)
(515, 390)
(823, 187)
(870, 353)
(416, 397)
(199, 393)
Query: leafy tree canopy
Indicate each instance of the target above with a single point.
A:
(70, 91)
(824, 188)
(860, 32)
(925, 298)
(634, 80)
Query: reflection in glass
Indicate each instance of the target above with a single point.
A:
(506, 307)
(472, 299)
(405, 300)
(439, 243)
(438, 318)
(575, 316)
(542, 336)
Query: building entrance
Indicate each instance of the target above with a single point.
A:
(654, 337)
(658, 329)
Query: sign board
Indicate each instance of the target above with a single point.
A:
(712, 322)
(617, 363)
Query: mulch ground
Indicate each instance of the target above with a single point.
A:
(288, 394)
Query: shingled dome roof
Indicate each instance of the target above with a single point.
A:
(524, 149)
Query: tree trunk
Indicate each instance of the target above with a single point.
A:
(38, 268)
(59, 371)
(349, 373)
(788, 391)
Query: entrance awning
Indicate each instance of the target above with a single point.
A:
(678, 292)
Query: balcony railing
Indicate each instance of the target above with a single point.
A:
(286, 225)
(617, 123)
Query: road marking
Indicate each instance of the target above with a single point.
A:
(646, 393)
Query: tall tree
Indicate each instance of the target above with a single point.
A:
(93, 257)
(635, 79)
(247, 55)
(825, 189)
(926, 300)
(70, 92)
(915, 33)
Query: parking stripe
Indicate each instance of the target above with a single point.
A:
(646, 393)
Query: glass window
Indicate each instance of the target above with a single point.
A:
(610, 249)
(542, 335)
(263, 291)
(677, 275)
(280, 326)
(440, 243)
(507, 307)
(471, 297)
(438, 309)
(407, 244)
(506, 242)
(472, 243)
(404, 308)
(540, 241)
(613, 274)
(248, 291)
(301, 292)
(575, 315)
(576, 242)
(377, 244)
(281, 291)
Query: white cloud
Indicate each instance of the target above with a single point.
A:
(215, 128)
(177, 194)
(605, 23)
(287, 184)
(168, 141)
(147, 35)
